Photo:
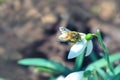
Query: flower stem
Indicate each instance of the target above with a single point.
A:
(78, 62)
(105, 49)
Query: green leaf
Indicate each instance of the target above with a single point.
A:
(95, 75)
(93, 57)
(45, 65)
(87, 73)
(106, 51)
(102, 62)
(102, 73)
(44, 69)
(90, 78)
(117, 69)
(116, 77)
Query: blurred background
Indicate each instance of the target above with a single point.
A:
(29, 28)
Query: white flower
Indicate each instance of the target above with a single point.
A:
(76, 76)
(79, 47)
(81, 44)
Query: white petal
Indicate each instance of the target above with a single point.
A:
(60, 78)
(89, 47)
(76, 76)
(82, 34)
(77, 49)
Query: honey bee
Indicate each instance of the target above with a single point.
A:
(68, 35)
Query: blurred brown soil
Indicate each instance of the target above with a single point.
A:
(29, 28)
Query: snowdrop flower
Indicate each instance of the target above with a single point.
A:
(81, 43)
(76, 76)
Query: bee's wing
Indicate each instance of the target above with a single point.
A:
(63, 30)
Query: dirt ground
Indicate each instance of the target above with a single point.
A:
(29, 28)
